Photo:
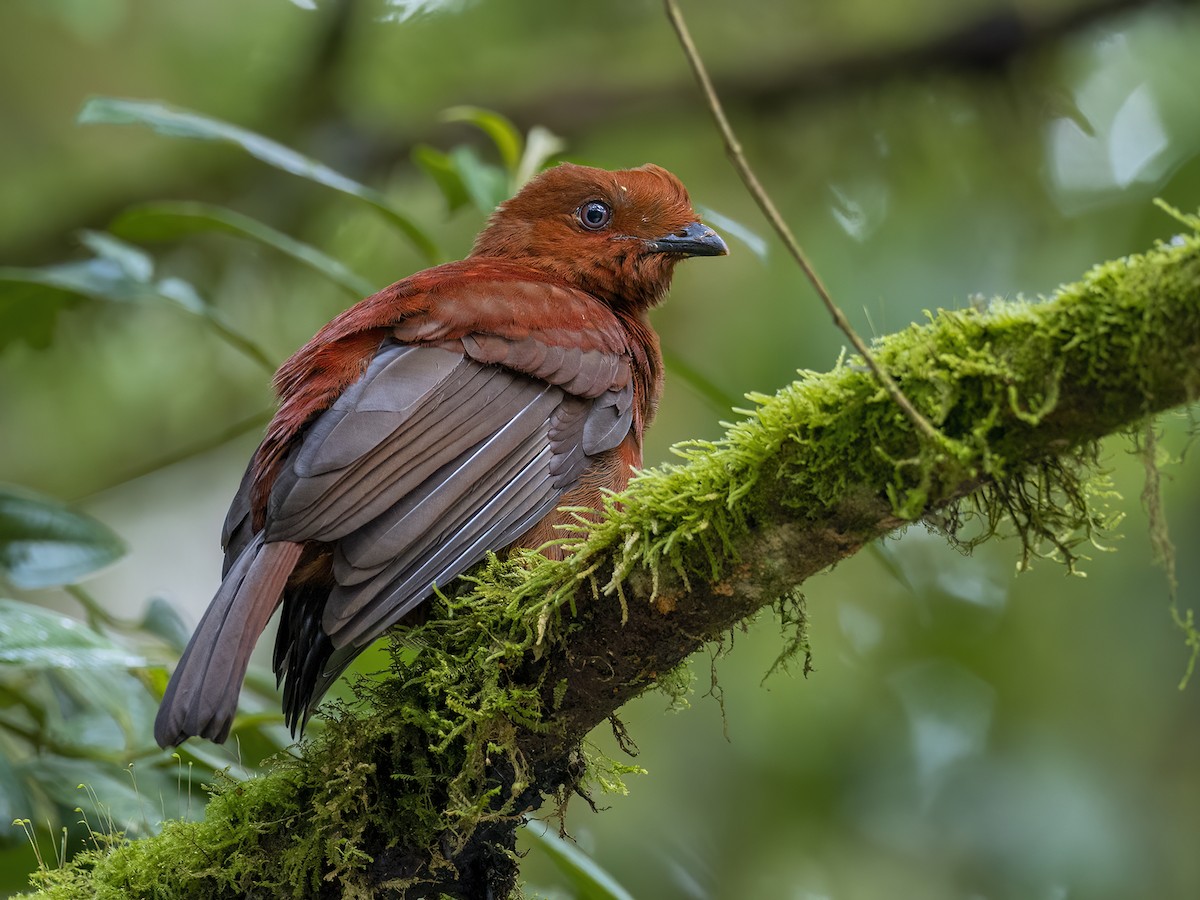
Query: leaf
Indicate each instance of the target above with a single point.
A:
(14, 801)
(925, 563)
(440, 168)
(486, 184)
(135, 263)
(101, 279)
(541, 145)
(590, 881)
(183, 123)
(99, 708)
(462, 176)
(119, 275)
(29, 313)
(171, 220)
(504, 134)
(36, 638)
(727, 226)
(119, 272)
(184, 295)
(79, 690)
(406, 10)
(43, 543)
(163, 621)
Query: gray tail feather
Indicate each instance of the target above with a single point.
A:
(201, 698)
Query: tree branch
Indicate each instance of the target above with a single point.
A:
(422, 786)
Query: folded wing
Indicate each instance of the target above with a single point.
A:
(428, 462)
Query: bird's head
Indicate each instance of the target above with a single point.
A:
(617, 234)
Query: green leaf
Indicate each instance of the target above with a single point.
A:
(541, 145)
(934, 571)
(184, 123)
(14, 801)
(732, 228)
(172, 220)
(163, 621)
(29, 312)
(486, 184)
(590, 881)
(504, 134)
(134, 263)
(101, 279)
(36, 638)
(440, 168)
(43, 543)
(184, 295)
(90, 709)
(121, 273)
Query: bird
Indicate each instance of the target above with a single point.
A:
(453, 414)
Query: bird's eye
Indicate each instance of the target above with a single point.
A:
(594, 215)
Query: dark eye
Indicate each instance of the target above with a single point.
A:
(594, 215)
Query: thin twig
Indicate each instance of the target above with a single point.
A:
(734, 149)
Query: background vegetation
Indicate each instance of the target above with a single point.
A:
(966, 732)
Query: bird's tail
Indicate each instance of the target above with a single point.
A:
(202, 696)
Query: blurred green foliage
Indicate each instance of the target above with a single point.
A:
(78, 699)
(964, 733)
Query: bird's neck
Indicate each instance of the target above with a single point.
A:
(647, 366)
(629, 284)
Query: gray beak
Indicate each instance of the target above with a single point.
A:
(693, 240)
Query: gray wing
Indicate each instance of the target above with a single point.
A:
(238, 531)
(428, 462)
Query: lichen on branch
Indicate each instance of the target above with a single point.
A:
(424, 779)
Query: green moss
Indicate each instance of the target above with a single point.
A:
(1020, 393)
(793, 624)
(1153, 458)
(677, 686)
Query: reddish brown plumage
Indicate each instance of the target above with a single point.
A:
(450, 414)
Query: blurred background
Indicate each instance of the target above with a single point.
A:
(967, 732)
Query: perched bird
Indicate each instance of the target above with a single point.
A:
(444, 417)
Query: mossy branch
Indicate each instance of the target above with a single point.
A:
(420, 786)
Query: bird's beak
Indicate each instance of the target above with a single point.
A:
(692, 240)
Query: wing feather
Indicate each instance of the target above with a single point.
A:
(238, 531)
(436, 456)
(457, 486)
(356, 614)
